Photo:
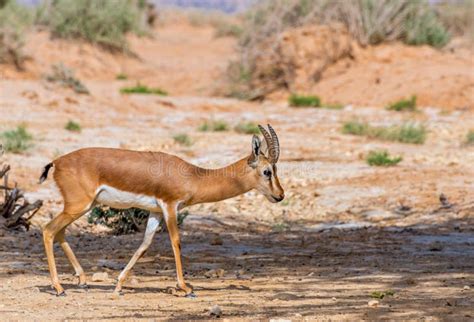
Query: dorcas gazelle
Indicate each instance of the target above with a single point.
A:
(154, 181)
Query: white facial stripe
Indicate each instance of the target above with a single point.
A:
(116, 198)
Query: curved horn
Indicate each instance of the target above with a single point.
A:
(275, 144)
(268, 139)
(273, 153)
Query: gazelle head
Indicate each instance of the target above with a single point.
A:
(263, 161)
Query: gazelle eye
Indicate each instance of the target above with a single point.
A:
(267, 173)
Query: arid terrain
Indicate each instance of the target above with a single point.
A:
(344, 231)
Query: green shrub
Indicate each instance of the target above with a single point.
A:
(14, 22)
(296, 100)
(409, 133)
(247, 128)
(124, 221)
(16, 141)
(403, 105)
(104, 22)
(65, 77)
(381, 294)
(382, 158)
(225, 29)
(425, 28)
(470, 137)
(143, 89)
(214, 126)
(355, 128)
(121, 76)
(183, 139)
(73, 126)
(406, 133)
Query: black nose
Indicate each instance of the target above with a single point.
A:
(280, 198)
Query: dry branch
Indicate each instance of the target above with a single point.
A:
(15, 208)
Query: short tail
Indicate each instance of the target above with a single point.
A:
(44, 175)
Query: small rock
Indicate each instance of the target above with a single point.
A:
(214, 273)
(133, 281)
(334, 299)
(217, 241)
(109, 264)
(466, 287)
(220, 272)
(373, 303)
(100, 277)
(215, 310)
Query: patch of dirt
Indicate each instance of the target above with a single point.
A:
(290, 275)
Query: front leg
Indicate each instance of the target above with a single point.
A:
(170, 214)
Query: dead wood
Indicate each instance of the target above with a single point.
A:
(15, 208)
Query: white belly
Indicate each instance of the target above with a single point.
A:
(116, 198)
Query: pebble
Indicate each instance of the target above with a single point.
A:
(100, 277)
(373, 303)
(214, 273)
(215, 310)
(466, 287)
(133, 281)
(217, 241)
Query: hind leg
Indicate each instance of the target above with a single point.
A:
(49, 234)
(71, 257)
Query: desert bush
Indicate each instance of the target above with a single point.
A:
(355, 128)
(403, 105)
(17, 140)
(121, 76)
(104, 22)
(247, 128)
(227, 29)
(183, 139)
(297, 100)
(458, 17)
(381, 294)
(382, 158)
(143, 89)
(65, 77)
(409, 133)
(369, 21)
(124, 221)
(73, 126)
(14, 21)
(406, 133)
(214, 126)
(470, 137)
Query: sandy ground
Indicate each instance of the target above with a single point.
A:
(344, 231)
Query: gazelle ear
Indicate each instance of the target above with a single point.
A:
(256, 144)
(264, 148)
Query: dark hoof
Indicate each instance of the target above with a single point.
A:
(62, 294)
(83, 286)
(191, 295)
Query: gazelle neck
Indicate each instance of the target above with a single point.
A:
(223, 183)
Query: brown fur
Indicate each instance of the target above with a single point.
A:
(166, 177)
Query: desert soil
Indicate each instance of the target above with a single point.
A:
(345, 230)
